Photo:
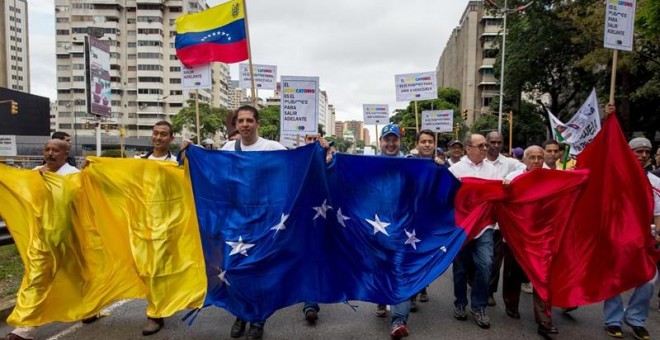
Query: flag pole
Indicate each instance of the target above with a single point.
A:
(197, 116)
(249, 47)
(416, 118)
(615, 60)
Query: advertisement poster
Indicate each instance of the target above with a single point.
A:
(98, 77)
(416, 86)
(438, 120)
(196, 77)
(265, 76)
(299, 111)
(375, 114)
(7, 145)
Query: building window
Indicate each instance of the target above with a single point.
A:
(486, 101)
(175, 68)
(150, 79)
(61, 32)
(150, 67)
(62, 20)
(173, 57)
(78, 78)
(132, 44)
(63, 79)
(175, 80)
(65, 126)
(488, 71)
(150, 56)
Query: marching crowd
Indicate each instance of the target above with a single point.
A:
(479, 263)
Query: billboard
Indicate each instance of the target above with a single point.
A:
(33, 118)
(97, 57)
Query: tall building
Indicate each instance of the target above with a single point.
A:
(14, 45)
(467, 61)
(365, 135)
(144, 69)
(323, 109)
(357, 127)
(339, 129)
(330, 129)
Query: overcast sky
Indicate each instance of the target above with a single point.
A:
(355, 47)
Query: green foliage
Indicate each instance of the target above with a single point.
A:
(341, 145)
(212, 120)
(448, 99)
(359, 144)
(269, 122)
(114, 153)
(556, 48)
(11, 271)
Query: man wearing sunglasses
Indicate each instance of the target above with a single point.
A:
(480, 249)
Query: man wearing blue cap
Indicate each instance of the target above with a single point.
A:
(390, 145)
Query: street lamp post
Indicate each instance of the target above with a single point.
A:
(504, 11)
(499, 117)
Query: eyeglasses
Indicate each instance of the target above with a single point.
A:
(479, 146)
(535, 158)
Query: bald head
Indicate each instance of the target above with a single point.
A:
(495, 144)
(55, 153)
(533, 157)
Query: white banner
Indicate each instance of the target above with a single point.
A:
(581, 129)
(619, 24)
(438, 120)
(8, 145)
(196, 77)
(416, 86)
(299, 112)
(375, 114)
(265, 76)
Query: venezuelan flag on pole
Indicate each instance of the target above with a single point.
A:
(216, 34)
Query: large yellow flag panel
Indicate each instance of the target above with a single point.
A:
(120, 229)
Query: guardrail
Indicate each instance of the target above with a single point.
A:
(5, 237)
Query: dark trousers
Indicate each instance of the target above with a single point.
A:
(513, 277)
(499, 248)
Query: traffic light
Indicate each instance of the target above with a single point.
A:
(464, 114)
(14, 107)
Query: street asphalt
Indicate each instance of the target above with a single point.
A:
(434, 320)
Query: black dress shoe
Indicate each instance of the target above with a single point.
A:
(546, 329)
(153, 326)
(255, 332)
(238, 328)
(512, 313)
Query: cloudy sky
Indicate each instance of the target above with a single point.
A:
(355, 47)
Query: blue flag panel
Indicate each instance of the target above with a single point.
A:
(282, 227)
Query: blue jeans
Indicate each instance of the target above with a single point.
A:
(312, 305)
(480, 251)
(638, 307)
(400, 312)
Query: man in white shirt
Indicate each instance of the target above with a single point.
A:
(56, 152)
(479, 250)
(247, 124)
(504, 166)
(162, 136)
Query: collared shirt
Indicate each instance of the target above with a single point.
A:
(63, 170)
(505, 165)
(485, 170)
(261, 144)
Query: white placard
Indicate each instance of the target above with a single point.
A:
(582, 128)
(196, 77)
(375, 114)
(265, 76)
(299, 111)
(438, 120)
(8, 145)
(619, 24)
(416, 86)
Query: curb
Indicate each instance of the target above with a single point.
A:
(6, 308)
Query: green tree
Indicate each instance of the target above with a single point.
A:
(212, 120)
(269, 122)
(448, 99)
(341, 144)
(114, 153)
